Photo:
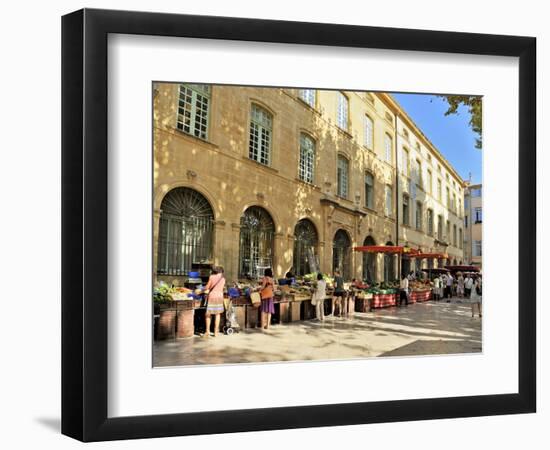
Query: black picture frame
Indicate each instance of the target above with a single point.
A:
(84, 224)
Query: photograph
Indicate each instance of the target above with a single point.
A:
(302, 224)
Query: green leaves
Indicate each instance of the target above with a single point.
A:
(474, 105)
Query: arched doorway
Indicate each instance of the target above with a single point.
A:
(389, 265)
(305, 248)
(341, 254)
(186, 232)
(369, 262)
(256, 242)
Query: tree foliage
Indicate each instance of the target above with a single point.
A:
(473, 103)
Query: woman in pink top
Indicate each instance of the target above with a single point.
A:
(214, 306)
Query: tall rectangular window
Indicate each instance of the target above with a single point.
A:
(418, 173)
(369, 190)
(430, 218)
(418, 215)
(440, 227)
(448, 232)
(406, 212)
(343, 111)
(439, 189)
(369, 133)
(193, 105)
(307, 158)
(343, 177)
(389, 194)
(261, 129)
(388, 148)
(460, 238)
(448, 198)
(455, 243)
(308, 96)
(405, 167)
(466, 221)
(478, 215)
(455, 209)
(477, 248)
(429, 181)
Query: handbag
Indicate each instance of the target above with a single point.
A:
(255, 299)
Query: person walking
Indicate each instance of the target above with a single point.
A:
(318, 298)
(449, 287)
(214, 303)
(475, 296)
(339, 293)
(460, 286)
(437, 286)
(404, 291)
(267, 307)
(468, 283)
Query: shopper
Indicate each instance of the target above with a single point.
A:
(449, 287)
(214, 303)
(266, 293)
(475, 296)
(339, 293)
(437, 287)
(468, 283)
(404, 291)
(460, 286)
(318, 298)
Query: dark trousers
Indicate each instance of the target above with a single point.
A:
(403, 295)
(448, 292)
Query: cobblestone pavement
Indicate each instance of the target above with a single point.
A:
(431, 328)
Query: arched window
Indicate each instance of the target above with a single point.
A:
(256, 242)
(193, 105)
(343, 177)
(369, 262)
(341, 254)
(369, 133)
(261, 130)
(342, 117)
(305, 248)
(186, 231)
(389, 265)
(307, 158)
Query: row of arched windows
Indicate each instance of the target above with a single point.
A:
(186, 237)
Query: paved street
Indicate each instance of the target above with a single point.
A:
(419, 329)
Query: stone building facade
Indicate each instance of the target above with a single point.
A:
(473, 224)
(250, 177)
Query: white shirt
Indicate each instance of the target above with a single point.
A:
(405, 283)
(468, 283)
(449, 280)
(321, 290)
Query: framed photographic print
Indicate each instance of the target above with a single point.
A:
(273, 224)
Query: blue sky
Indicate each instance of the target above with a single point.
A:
(451, 135)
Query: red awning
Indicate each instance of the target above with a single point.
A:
(386, 249)
(463, 268)
(431, 255)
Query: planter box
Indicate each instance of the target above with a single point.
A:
(166, 323)
(185, 323)
(253, 316)
(294, 311)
